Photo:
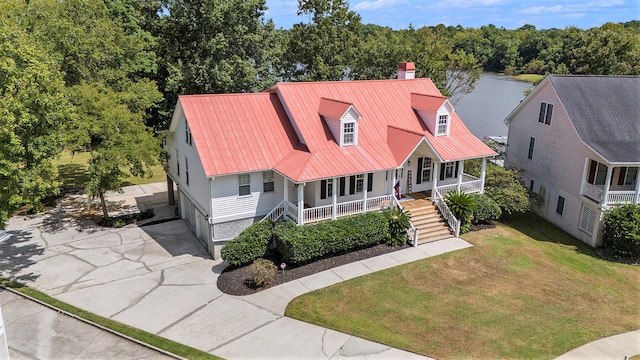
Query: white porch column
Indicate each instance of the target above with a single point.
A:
(301, 203)
(334, 199)
(285, 192)
(460, 170)
(585, 175)
(436, 168)
(607, 184)
(483, 173)
(365, 183)
(637, 195)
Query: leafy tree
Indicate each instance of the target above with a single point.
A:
(610, 50)
(325, 48)
(33, 107)
(113, 129)
(105, 56)
(382, 50)
(486, 209)
(502, 185)
(216, 46)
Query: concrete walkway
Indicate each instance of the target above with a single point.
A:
(35, 331)
(614, 347)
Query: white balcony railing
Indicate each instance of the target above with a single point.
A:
(621, 197)
(276, 213)
(470, 184)
(317, 214)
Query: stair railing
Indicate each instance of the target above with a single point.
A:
(412, 231)
(439, 202)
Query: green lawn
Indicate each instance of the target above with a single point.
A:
(526, 290)
(73, 172)
(532, 78)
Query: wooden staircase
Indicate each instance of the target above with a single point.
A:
(428, 220)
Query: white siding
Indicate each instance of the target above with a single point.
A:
(312, 190)
(558, 158)
(229, 206)
(198, 190)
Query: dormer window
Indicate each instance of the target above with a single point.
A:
(348, 133)
(443, 124)
(342, 119)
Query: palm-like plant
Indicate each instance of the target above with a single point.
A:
(462, 206)
(399, 222)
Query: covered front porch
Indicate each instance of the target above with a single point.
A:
(611, 185)
(333, 198)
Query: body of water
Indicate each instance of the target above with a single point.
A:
(484, 109)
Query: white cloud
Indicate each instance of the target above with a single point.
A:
(572, 10)
(373, 5)
(471, 3)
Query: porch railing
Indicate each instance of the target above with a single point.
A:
(317, 214)
(276, 213)
(470, 184)
(439, 202)
(412, 231)
(349, 208)
(621, 197)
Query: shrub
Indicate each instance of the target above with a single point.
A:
(262, 272)
(250, 245)
(299, 244)
(399, 222)
(621, 230)
(147, 213)
(486, 209)
(462, 205)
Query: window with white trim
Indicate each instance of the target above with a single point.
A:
(532, 144)
(587, 219)
(560, 206)
(326, 188)
(628, 176)
(187, 133)
(186, 169)
(267, 181)
(177, 162)
(244, 184)
(348, 133)
(546, 111)
(443, 123)
(359, 183)
(449, 170)
(425, 170)
(597, 173)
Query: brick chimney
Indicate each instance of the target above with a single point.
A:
(406, 70)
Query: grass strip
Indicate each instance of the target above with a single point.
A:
(129, 331)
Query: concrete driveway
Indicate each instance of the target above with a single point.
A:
(160, 279)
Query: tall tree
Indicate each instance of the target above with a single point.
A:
(33, 108)
(216, 46)
(105, 56)
(325, 48)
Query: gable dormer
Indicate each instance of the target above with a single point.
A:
(435, 112)
(342, 119)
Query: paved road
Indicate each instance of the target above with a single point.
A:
(35, 331)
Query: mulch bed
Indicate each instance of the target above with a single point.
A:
(482, 225)
(608, 254)
(237, 280)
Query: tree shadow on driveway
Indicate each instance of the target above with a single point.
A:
(16, 255)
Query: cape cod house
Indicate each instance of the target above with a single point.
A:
(576, 142)
(314, 151)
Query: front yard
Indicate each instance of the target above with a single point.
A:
(525, 290)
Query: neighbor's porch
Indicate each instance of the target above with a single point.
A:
(610, 185)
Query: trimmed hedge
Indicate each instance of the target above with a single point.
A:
(250, 245)
(300, 244)
(621, 230)
(486, 209)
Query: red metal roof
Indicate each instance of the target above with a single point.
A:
(334, 109)
(250, 132)
(237, 133)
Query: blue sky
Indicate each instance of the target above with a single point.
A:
(510, 14)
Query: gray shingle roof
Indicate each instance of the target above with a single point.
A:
(605, 111)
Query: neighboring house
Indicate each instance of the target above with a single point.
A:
(576, 142)
(312, 151)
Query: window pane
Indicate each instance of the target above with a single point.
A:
(601, 174)
(560, 207)
(632, 176)
(267, 180)
(244, 187)
(442, 125)
(532, 143)
(549, 112)
(359, 183)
